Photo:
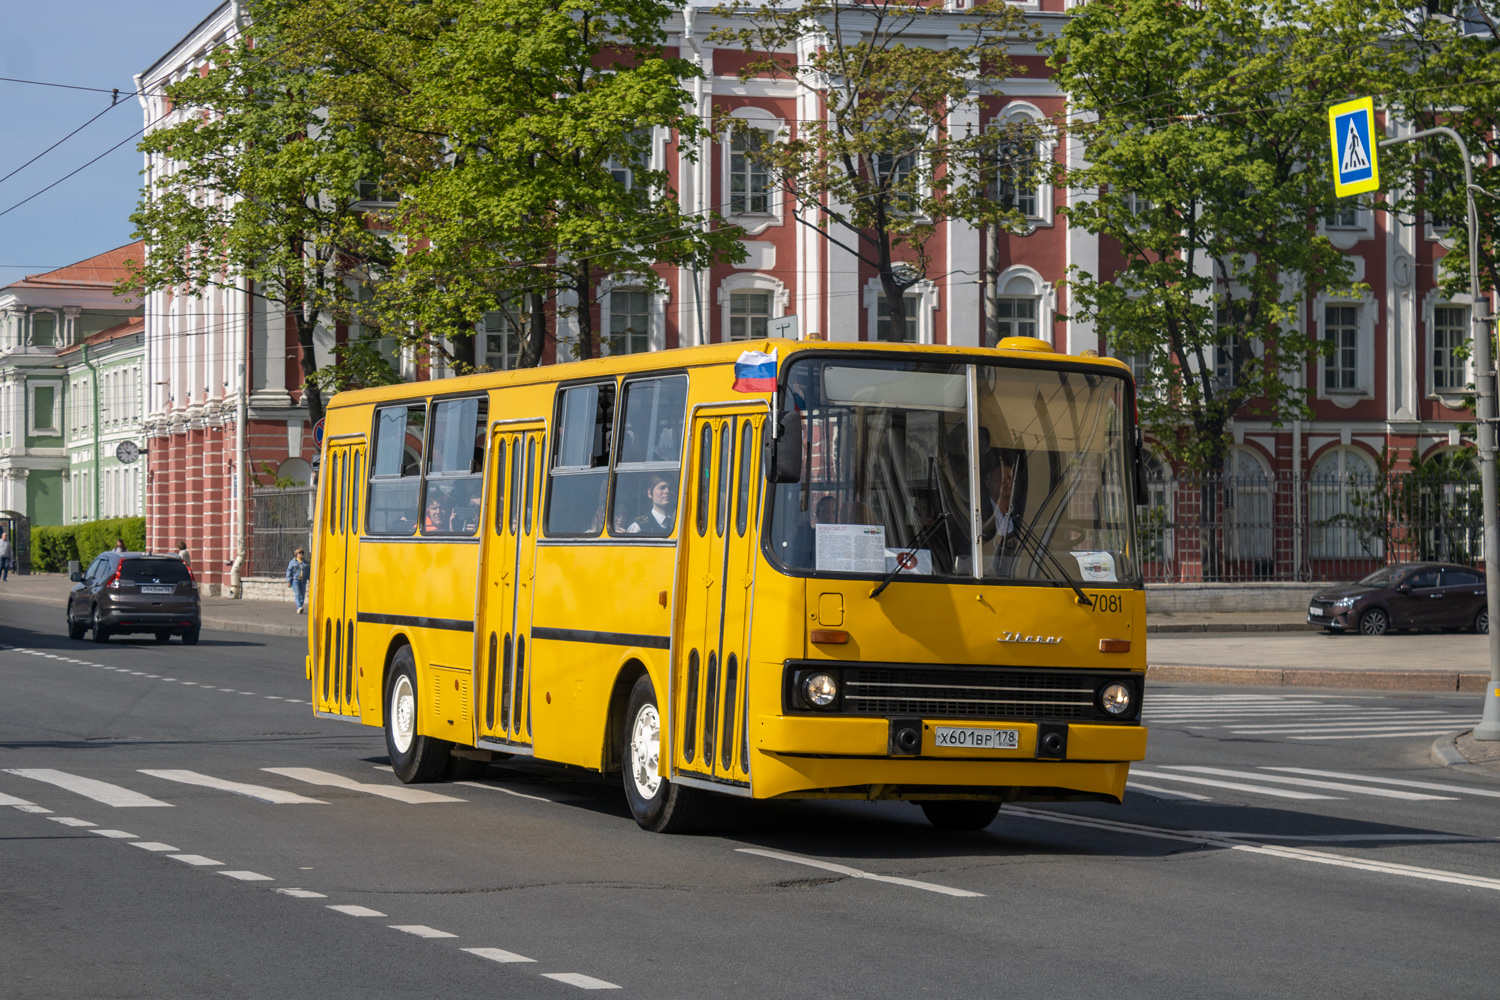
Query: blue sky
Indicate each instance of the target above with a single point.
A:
(83, 43)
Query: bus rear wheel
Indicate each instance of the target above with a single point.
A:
(960, 814)
(656, 803)
(415, 758)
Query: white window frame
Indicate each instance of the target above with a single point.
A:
(752, 222)
(1022, 282)
(483, 332)
(1330, 493)
(1043, 216)
(1366, 311)
(926, 294)
(749, 281)
(656, 313)
(1345, 235)
(56, 430)
(1465, 367)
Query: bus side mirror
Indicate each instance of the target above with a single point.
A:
(782, 453)
(1142, 488)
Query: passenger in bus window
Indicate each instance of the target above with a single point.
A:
(658, 520)
(827, 509)
(435, 520)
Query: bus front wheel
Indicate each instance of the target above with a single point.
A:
(960, 814)
(415, 758)
(656, 803)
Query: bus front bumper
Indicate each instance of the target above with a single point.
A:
(821, 757)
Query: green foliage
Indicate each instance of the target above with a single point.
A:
(53, 547)
(1431, 511)
(890, 160)
(1210, 172)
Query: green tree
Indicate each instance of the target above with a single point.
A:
(262, 187)
(885, 163)
(1205, 137)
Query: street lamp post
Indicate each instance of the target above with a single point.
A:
(1484, 385)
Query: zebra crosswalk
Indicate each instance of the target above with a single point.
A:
(1300, 783)
(1299, 717)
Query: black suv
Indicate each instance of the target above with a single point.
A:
(134, 592)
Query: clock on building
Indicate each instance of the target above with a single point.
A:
(128, 451)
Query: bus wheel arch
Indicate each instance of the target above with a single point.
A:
(414, 757)
(613, 754)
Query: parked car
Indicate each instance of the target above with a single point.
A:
(1405, 595)
(124, 592)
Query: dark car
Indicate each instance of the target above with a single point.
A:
(124, 592)
(1406, 595)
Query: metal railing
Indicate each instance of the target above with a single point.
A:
(280, 524)
(1300, 527)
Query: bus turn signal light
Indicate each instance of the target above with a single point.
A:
(836, 636)
(1114, 645)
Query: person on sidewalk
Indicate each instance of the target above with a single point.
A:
(182, 553)
(119, 545)
(297, 572)
(4, 556)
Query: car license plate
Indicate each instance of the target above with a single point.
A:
(1315, 612)
(977, 739)
(157, 590)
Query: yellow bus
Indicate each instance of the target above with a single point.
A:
(809, 570)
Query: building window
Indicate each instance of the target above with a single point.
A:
(913, 306)
(623, 166)
(499, 339)
(629, 321)
(749, 180)
(1226, 349)
(1450, 329)
(44, 408)
(1340, 479)
(1341, 329)
(749, 312)
(1017, 176)
(1016, 316)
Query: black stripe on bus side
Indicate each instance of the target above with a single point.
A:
(416, 621)
(605, 638)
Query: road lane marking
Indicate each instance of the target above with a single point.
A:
(99, 791)
(153, 845)
(580, 980)
(70, 821)
(1164, 793)
(421, 931)
(303, 893)
(400, 793)
(1280, 793)
(1381, 736)
(507, 791)
(1303, 727)
(1286, 853)
(1351, 838)
(1404, 783)
(856, 873)
(356, 911)
(196, 859)
(249, 876)
(1332, 786)
(115, 834)
(498, 955)
(275, 796)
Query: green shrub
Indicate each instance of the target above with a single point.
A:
(53, 547)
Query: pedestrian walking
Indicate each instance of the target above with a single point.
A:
(297, 572)
(182, 553)
(4, 556)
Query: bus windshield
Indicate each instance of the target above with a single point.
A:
(958, 471)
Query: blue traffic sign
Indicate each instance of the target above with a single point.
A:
(1351, 127)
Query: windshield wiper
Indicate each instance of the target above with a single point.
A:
(916, 544)
(1037, 551)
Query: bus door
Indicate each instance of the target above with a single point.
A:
(506, 570)
(335, 591)
(720, 534)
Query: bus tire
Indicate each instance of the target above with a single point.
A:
(964, 814)
(415, 758)
(656, 803)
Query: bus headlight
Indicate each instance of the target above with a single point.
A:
(820, 690)
(1116, 698)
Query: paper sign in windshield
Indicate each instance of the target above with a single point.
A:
(918, 561)
(1096, 567)
(850, 548)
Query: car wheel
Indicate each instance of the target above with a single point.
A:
(190, 637)
(1374, 622)
(101, 634)
(415, 758)
(960, 815)
(657, 804)
(1482, 621)
(75, 629)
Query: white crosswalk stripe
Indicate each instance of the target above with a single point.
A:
(99, 791)
(1300, 717)
(118, 796)
(1264, 780)
(328, 779)
(1332, 786)
(275, 796)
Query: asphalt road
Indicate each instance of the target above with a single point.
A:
(1231, 871)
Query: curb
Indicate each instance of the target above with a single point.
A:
(1369, 680)
(208, 621)
(1171, 628)
(1445, 751)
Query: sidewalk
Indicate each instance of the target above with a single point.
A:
(1259, 649)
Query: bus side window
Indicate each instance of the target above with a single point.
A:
(648, 463)
(455, 470)
(396, 469)
(580, 460)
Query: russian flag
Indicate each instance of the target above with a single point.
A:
(755, 371)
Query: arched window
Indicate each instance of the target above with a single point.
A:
(1344, 510)
(1248, 489)
(748, 301)
(1023, 155)
(1023, 304)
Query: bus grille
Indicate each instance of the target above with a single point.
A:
(968, 693)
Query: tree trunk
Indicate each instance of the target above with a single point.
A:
(583, 288)
(536, 332)
(310, 394)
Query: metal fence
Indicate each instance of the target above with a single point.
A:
(280, 524)
(1301, 527)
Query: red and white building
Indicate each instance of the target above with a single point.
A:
(223, 404)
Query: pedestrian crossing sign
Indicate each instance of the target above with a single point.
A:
(1352, 128)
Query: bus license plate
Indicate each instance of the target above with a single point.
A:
(977, 739)
(157, 590)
